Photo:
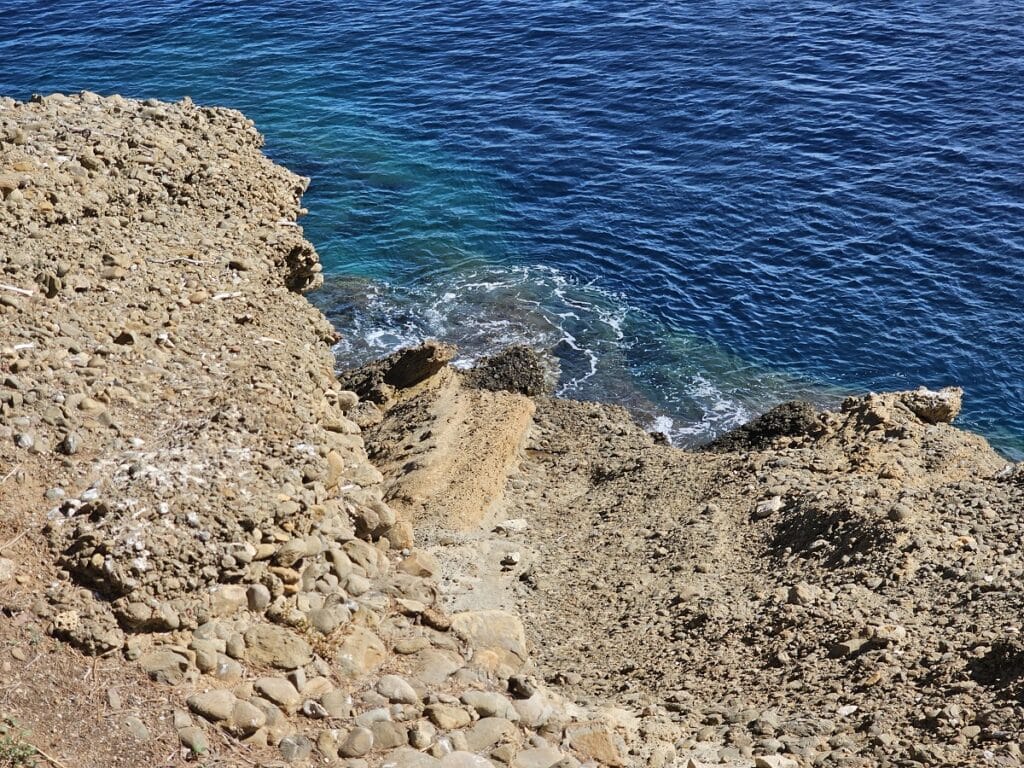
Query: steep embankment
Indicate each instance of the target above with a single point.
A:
(201, 558)
(185, 500)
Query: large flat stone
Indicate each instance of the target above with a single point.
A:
(277, 647)
(497, 638)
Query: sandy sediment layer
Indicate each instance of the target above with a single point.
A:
(211, 549)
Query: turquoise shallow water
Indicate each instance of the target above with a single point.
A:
(698, 209)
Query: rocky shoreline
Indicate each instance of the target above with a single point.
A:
(216, 550)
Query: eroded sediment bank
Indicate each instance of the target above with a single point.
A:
(257, 563)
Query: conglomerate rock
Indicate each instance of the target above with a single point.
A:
(177, 443)
(512, 580)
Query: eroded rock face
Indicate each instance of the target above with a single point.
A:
(834, 548)
(934, 407)
(497, 636)
(276, 646)
(209, 504)
(792, 419)
(405, 368)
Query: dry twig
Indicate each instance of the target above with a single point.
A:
(16, 289)
(12, 541)
(49, 758)
(181, 260)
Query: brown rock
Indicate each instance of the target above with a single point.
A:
(360, 653)
(448, 717)
(934, 407)
(419, 563)
(598, 742)
(164, 666)
(497, 638)
(214, 705)
(277, 647)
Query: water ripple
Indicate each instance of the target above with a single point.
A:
(768, 200)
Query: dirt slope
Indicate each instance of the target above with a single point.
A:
(833, 589)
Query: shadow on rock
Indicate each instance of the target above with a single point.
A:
(1002, 668)
(835, 535)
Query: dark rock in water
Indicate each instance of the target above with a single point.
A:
(405, 368)
(411, 366)
(791, 419)
(660, 438)
(515, 369)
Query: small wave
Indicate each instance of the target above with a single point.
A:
(684, 387)
(480, 310)
(721, 413)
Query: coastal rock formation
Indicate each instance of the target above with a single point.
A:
(259, 561)
(515, 369)
(185, 493)
(817, 589)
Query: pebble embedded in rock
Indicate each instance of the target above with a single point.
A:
(136, 728)
(447, 717)
(280, 692)
(295, 748)
(193, 738)
(460, 759)
(277, 647)
(213, 705)
(537, 757)
(360, 653)
(70, 444)
(397, 690)
(775, 761)
(389, 735)
(358, 743)
(338, 703)
(246, 718)
(258, 597)
(165, 666)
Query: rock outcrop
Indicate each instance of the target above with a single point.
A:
(815, 589)
(173, 436)
(413, 566)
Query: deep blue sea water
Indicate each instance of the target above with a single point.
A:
(699, 209)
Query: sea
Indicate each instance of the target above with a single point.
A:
(696, 210)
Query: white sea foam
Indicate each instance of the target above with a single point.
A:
(678, 384)
(663, 424)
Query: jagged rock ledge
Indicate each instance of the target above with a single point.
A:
(810, 589)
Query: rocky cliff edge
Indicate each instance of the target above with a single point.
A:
(213, 550)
